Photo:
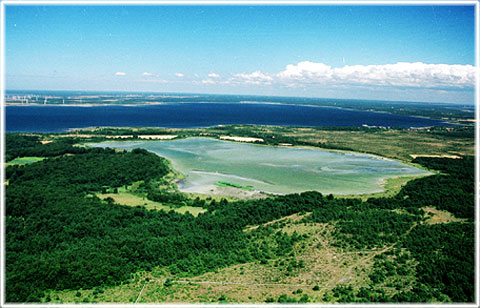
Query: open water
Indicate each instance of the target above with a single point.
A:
(39, 118)
(205, 162)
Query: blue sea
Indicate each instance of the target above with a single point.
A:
(45, 118)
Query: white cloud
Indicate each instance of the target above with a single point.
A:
(401, 74)
(213, 75)
(120, 74)
(149, 80)
(147, 74)
(306, 69)
(208, 81)
(256, 77)
(180, 75)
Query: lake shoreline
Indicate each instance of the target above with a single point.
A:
(203, 181)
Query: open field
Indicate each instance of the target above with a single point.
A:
(435, 216)
(391, 187)
(24, 161)
(129, 199)
(405, 143)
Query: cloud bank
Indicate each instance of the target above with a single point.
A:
(401, 74)
(256, 77)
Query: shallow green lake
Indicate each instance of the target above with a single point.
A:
(272, 169)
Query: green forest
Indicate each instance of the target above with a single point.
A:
(60, 235)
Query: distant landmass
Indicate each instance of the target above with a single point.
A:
(25, 111)
(53, 118)
(441, 111)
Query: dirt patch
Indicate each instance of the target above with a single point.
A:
(435, 216)
(242, 139)
(227, 192)
(292, 218)
(440, 156)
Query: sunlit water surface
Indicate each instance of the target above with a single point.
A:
(281, 170)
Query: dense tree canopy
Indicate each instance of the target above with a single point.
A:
(59, 235)
(17, 145)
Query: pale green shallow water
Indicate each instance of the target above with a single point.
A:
(272, 169)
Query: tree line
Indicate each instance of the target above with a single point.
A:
(59, 235)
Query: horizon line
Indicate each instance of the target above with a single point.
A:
(254, 95)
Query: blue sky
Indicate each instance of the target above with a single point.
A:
(418, 53)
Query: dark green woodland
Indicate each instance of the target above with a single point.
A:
(60, 235)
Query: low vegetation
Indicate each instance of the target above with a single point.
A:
(395, 143)
(74, 234)
(24, 160)
(130, 199)
(226, 184)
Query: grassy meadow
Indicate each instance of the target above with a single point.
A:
(24, 160)
(127, 198)
(319, 267)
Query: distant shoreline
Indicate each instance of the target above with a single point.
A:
(83, 104)
(58, 118)
(140, 104)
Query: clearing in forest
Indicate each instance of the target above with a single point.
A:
(129, 199)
